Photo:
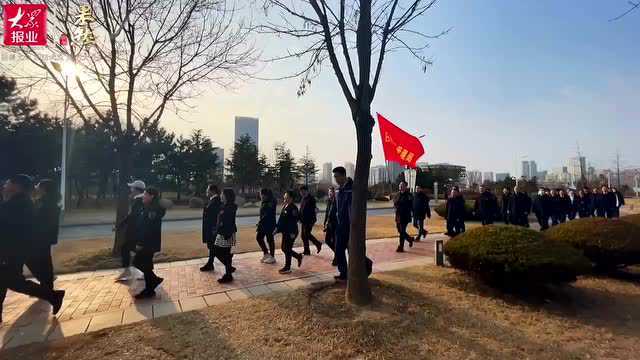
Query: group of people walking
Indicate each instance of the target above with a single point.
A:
(219, 227)
(550, 206)
(410, 208)
(29, 229)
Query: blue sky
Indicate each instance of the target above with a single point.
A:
(512, 79)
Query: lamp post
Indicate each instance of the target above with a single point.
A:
(64, 70)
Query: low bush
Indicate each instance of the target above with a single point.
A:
(608, 243)
(634, 219)
(469, 214)
(511, 256)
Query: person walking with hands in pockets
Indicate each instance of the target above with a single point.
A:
(288, 227)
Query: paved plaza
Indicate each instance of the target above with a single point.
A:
(94, 301)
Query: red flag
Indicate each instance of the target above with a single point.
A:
(399, 146)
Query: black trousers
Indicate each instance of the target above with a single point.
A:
(455, 226)
(307, 236)
(226, 258)
(543, 221)
(271, 250)
(11, 278)
(572, 215)
(402, 232)
(330, 238)
(487, 220)
(419, 224)
(41, 266)
(143, 261)
(287, 249)
(212, 252)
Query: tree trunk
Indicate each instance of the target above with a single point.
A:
(123, 162)
(358, 291)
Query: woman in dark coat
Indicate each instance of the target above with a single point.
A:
(47, 221)
(331, 222)
(209, 223)
(288, 227)
(149, 240)
(226, 237)
(266, 226)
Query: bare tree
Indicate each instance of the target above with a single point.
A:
(633, 5)
(354, 37)
(137, 59)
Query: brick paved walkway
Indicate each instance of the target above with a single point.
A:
(95, 301)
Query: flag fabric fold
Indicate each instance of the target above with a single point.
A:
(399, 146)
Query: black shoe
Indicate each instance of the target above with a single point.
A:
(227, 278)
(340, 277)
(145, 294)
(156, 282)
(319, 247)
(334, 262)
(285, 270)
(300, 260)
(207, 267)
(233, 269)
(400, 249)
(58, 297)
(410, 240)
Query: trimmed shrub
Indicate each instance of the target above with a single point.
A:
(608, 243)
(513, 256)
(634, 219)
(469, 214)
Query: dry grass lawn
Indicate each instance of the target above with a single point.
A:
(419, 313)
(94, 254)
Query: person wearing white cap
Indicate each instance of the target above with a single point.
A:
(136, 191)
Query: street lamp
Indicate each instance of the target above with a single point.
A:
(65, 69)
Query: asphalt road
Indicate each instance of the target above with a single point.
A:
(79, 232)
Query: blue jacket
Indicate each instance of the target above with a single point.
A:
(343, 213)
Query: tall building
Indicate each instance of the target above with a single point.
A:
(474, 177)
(394, 170)
(327, 175)
(351, 169)
(378, 175)
(526, 170)
(577, 168)
(247, 126)
(533, 169)
(502, 176)
(487, 177)
(219, 161)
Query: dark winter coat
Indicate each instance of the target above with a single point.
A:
(540, 205)
(47, 222)
(486, 206)
(227, 221)
(343, 211)
(520, 209)
(288, 220)
(404, 207)
(308, 210)
(620, 199)
(130, 222)
(584, 206)
(505, 205)
(149, 232)
(331, 215)
(210, 220)
(455, 208)
(267, 222)
(573, 206)
(601, 204)
(421, 208)
(17, 217)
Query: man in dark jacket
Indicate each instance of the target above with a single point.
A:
(209, 222)
(149, 240)
(619, 202)
(403, 204)
(589, 203)
(486, 206)
(136, 189)
(343, 216)
(16, 226)
(421, 210)
(505, 207)
(609, 203)
(600, 202)
(266, 226)
(540, 209)
(520, 208)
(455, 213)
(574, 204)
(556, 207)
(308, 219)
